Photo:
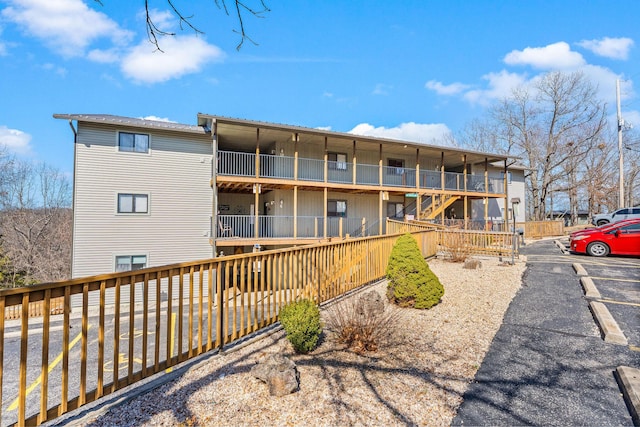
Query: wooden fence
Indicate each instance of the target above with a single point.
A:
(131, 325)
(460, 243)
(538, 229)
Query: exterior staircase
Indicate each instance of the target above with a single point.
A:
(438, 203)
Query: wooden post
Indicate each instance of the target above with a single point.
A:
(506, 196)
(486, 190)
(443, 186)
(324, 213)
(295, 157)
(295, 211)
(466, 199)
(354, 163)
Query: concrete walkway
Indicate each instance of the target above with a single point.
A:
(548, 364)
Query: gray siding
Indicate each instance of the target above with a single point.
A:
(175, 175)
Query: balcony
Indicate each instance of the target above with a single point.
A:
(313, 170)
(239, 227)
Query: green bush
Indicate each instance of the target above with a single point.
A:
(301, 322)
(411, 281)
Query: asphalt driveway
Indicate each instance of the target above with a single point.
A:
(548, 364)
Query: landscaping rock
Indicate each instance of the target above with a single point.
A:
(472, 264)
(280, 374)
(370, 304)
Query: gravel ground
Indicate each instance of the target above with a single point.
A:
(417, 382)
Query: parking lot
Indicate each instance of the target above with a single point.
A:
(616, 284)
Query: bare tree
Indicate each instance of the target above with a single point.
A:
(241, 8)
(35, 226)
(552, 125)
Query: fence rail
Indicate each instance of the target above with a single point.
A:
(538, 229)
(149, 320)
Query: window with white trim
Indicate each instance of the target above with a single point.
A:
(508, 177)
(337, 208)
(133, 203)
(130, 262)
(337, 161)
(133, 142)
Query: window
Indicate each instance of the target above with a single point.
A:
(621, 212)
(337, 208)
(337, 161)
(133, 203)
(396, 166)
(133, 142)
(508, 177)
(395, 210)
(130, 262)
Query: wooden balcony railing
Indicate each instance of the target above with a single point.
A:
(282, 167)
(131, 325)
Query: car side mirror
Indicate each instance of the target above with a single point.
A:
(617, 232)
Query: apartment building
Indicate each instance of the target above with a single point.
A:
(150, 193)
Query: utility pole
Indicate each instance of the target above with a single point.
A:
(621, 156)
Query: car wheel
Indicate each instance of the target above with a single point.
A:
(602, 222)
(598, 249)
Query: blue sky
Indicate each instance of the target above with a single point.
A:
(408, 70)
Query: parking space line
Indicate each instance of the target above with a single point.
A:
(612, 301)
(617, 280)
(57, 360)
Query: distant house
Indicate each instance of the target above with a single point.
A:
(565, 215)
(150, 193)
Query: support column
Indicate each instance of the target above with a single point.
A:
(442, 183)
(380, 165)
(295, 212)
(506, 196)
(466, 199)
(381, 219)
(324, 212)
(486, 190)
(355, 163)
(295, 157)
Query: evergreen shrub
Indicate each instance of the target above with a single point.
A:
(411, 283)
(301, 322)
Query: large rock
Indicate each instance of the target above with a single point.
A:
(279, 373)
(370, 304)
(472, 264)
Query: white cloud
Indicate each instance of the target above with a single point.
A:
(551, 57)
(158, 119)
(61, 71)
(3, 48)
(614, 48)
(15, 140)
(104, 56)
(325, 128)
(164, 20)
(414, 132)
(326, 94)
(632, 118)
(500, 85)
(382, 89)
(181, 55)
(442, 89)
(66, 26)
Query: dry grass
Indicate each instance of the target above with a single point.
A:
(420, 382)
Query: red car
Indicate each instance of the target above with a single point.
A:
(621, 238)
